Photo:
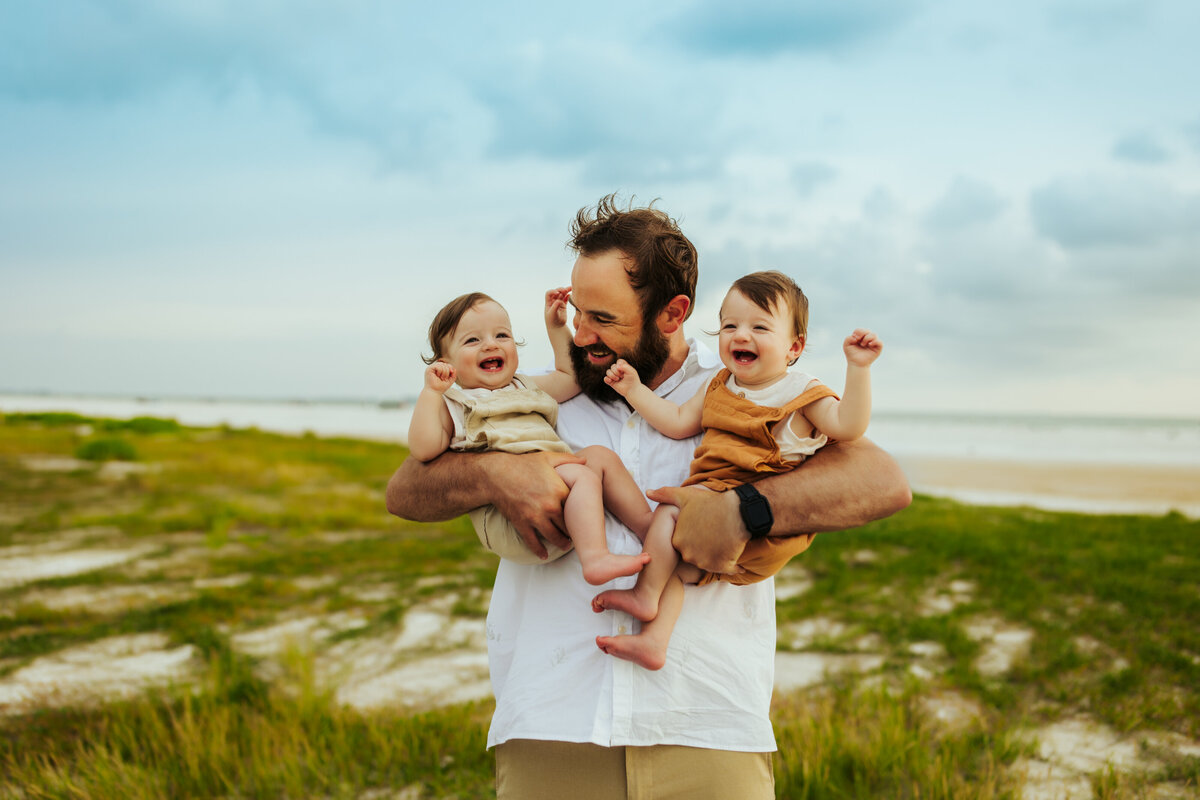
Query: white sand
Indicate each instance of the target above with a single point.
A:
(1096, 488)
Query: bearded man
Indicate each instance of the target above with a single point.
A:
(571, 721)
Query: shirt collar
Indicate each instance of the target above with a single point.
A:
(699, 358)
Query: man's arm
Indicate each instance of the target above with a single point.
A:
(844, 485)
(524, 488)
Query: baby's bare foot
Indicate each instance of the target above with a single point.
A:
(639, 649)
(638, 604)
(599, 570)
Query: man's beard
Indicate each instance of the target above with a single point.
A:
(648, 357)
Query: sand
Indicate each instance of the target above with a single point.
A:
(1098, 488)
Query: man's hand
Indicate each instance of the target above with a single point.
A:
(709, 531)
(531, 494)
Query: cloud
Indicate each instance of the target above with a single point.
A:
(1098, 211)
(591, 105)
(1140, 148)
(808, 177)
(966, 202)
(764, 28)
(1091, 18)
(360, 71)
(1192, 132)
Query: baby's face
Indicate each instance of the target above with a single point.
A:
(482, 349)
(756, 345)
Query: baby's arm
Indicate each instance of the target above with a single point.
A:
(560, 384)
(430, 429)
(669, 419)
(847, 419)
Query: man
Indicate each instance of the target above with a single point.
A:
(571, 721)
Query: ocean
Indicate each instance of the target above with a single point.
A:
(1002, 440)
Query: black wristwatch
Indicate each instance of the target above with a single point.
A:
(756, 511)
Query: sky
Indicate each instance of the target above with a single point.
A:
(272, 199)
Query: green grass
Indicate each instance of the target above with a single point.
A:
(247, 528)
(239, 737)
(1126, 583)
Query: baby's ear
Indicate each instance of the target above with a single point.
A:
(795, 350)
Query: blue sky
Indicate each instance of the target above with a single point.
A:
(270, 199)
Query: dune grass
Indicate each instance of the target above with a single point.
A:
(246, 527)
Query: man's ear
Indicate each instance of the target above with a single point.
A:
(671, 318)
(795, 350)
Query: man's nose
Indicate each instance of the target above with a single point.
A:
(584, 335)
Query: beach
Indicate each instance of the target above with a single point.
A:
(1059, 486)
(236, 599)
(1121, 465)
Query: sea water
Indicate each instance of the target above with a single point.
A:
(983, 437)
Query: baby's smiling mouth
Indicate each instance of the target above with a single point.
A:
(492, 364)
(744, 356)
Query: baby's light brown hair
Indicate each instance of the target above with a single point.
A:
(768, 289)
(446, 321)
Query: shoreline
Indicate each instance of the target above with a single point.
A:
(1059, 486)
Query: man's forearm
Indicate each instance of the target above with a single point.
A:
(845, 485)
(447, 487)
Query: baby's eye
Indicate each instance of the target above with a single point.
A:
(761, 328)
(471, 340)
(502, 335)
(728, 326)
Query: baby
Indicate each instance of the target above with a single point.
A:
(758, 419)
(474, 399)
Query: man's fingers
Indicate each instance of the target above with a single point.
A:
(558, 459)
(533, 542)
(554, 530)
(666, 494)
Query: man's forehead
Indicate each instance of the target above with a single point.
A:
(601, 287)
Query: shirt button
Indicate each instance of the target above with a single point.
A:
(621, 629)
(631, 423)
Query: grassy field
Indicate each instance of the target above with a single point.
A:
(963, 643)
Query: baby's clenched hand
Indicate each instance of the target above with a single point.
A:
(862, 347)
(622, 377)
(439, 376)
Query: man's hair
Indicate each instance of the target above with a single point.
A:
(662, 262)
(446, 320)
(769, 289)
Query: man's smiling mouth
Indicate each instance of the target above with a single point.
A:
(598, 353)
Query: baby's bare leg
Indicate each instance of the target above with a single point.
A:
(648, 648)
(584, 515)
(642, 601)
(621, 495)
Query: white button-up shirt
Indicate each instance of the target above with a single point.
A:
(552, 682)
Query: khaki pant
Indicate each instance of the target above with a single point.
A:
(535, 770)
